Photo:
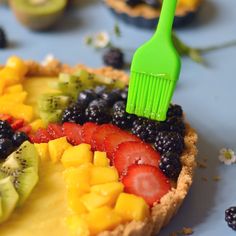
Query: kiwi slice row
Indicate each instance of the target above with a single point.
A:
(18, 177)
(51, 106)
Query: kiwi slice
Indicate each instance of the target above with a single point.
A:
(9, 198)
(38, 14)
(51, 117)
(51, 102)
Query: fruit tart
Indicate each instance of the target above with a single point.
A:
(144, 13)
(73, 162)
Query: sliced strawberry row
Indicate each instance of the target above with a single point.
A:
(87, 131)
(73, 132)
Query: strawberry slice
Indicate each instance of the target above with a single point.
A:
(26, 129)
(43, 136)
(17, 124)
(101, 133)
(87, 131)
(129, 153)
(112, 141)
(34, 139)
(55, 130)
(72, 131)
(6, 117)
(147, 182)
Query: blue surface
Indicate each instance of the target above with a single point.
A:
(206, 94)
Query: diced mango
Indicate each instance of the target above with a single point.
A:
(57, 147)
(10, 76)
(77, 155)
(77, 179)
(94, 200)
(42, 149)
(17, 88)
(17, 64)
(111, 190)
(14, 97)
(76, 205)
(131, 207)
(78, 226)
(100, 159)
(102, 175)
(2, 85)
(37, 124)
(104, 218)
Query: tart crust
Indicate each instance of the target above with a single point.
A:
(162, 212)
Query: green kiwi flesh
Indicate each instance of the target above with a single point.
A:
(9, 198)
(51, 116)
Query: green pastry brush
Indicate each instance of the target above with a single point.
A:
(155, 70)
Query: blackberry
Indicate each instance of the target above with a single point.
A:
(176, 124)
(169, 142)
(114, 57)
(3, 39)
(153, 3)
(170, 165)
(6, 147)
(100, 89)
(133, 3)
(74, 113)
(124, 93)
(98, 114)
(111, 97)
(120, 117)
(6, 130)
(147, 130)
(18, 138)
(99, 102)
(87, 96)
(230, 217)
(175, 110)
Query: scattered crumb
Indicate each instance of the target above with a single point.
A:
(187, 231)
(201, 164)
(216, 178)
(204, 178)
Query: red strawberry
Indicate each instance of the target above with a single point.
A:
(43, 136)
(26, 129)
(72, 132)
(101, 133)
(17, 124)
(6, 117)
(55, 130)
(34, 139)
(147, 182)
(112, 141)
(87, 131)
(129, 153)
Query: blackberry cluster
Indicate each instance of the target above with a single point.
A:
(98, 114)
(114, 57)
(176, 124)
(9, 140)
(120, 117)
(170, 165)
(74, 113)
(175, 110)
(230, 217)
(151, 3)
(146, 129)
(3, 39)
(169, 142)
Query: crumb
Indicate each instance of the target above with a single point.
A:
(204, 178)
(173, 234)
(216, 178)
(187, 231)
(201, 164)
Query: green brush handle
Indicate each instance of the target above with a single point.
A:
(164, 27)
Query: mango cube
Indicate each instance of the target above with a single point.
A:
(100, 159)
(57, 147)
(77, 155)
(42, 149)
(78, 225)
(76, 205)
(100, 219)
(37, 124)
(10, 76)
(94, 200)
(17, 88)
(102, 175)
(111, 190)
(17, 64)
(2, 86)
(131, 207)
(77, 178)
(14, 97)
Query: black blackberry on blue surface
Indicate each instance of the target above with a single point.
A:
(18, 138)
(230, 217)
(175, 110)
(74, 113)
(111, 96)
(170, 165)
(6, 148)
(6, 130)
(152, 3)
(114, 57)
(3, 39)
(100, 89)
(120, 117)
(169, 142)
(133, 3)
(124, 93)
(87, 96)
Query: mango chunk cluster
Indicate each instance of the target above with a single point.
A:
(96, 199)
(12, 94)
